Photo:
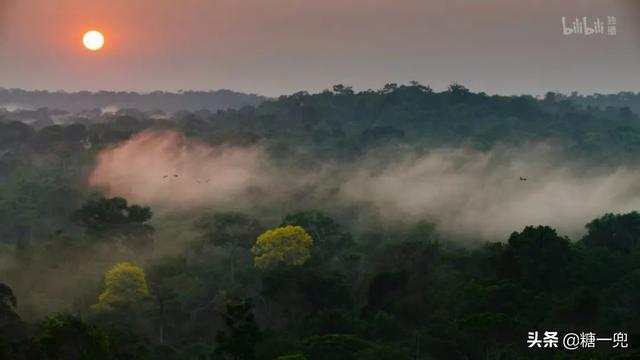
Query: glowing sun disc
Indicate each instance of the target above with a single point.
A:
(93, 40)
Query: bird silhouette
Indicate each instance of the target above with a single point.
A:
(523, 179)
(175, 175)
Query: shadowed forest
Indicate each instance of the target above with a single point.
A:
(69, 104)
(391, 224)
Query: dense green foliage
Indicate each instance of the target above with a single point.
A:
(323, 287)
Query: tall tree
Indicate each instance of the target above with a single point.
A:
(329, 238)
(12, 329)
(619, 232)
(232, 230)
(242, 334)
(114, 219)
(539, 255)
(64, 337)
(288, 245)
(125, 285)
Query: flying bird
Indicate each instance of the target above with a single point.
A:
(523, 179)
(175, 175)
(166, 176)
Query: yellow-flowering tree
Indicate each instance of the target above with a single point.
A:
(125, 284)
(284, 245)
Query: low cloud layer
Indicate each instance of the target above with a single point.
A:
(473, 194)
(165, 169)
(481, 195)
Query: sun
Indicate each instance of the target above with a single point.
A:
(93, 40)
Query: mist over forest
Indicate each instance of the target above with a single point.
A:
(397, 223)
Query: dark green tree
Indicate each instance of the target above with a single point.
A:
(540, 256)
(334, 347)
(618, 232)
(242, 333)
(64, 337)
(231, 230)
(115, 220)
(12, 330)
(329, 238)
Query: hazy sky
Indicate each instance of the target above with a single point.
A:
(282, 46)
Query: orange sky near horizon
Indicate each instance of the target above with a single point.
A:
(281, 46)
